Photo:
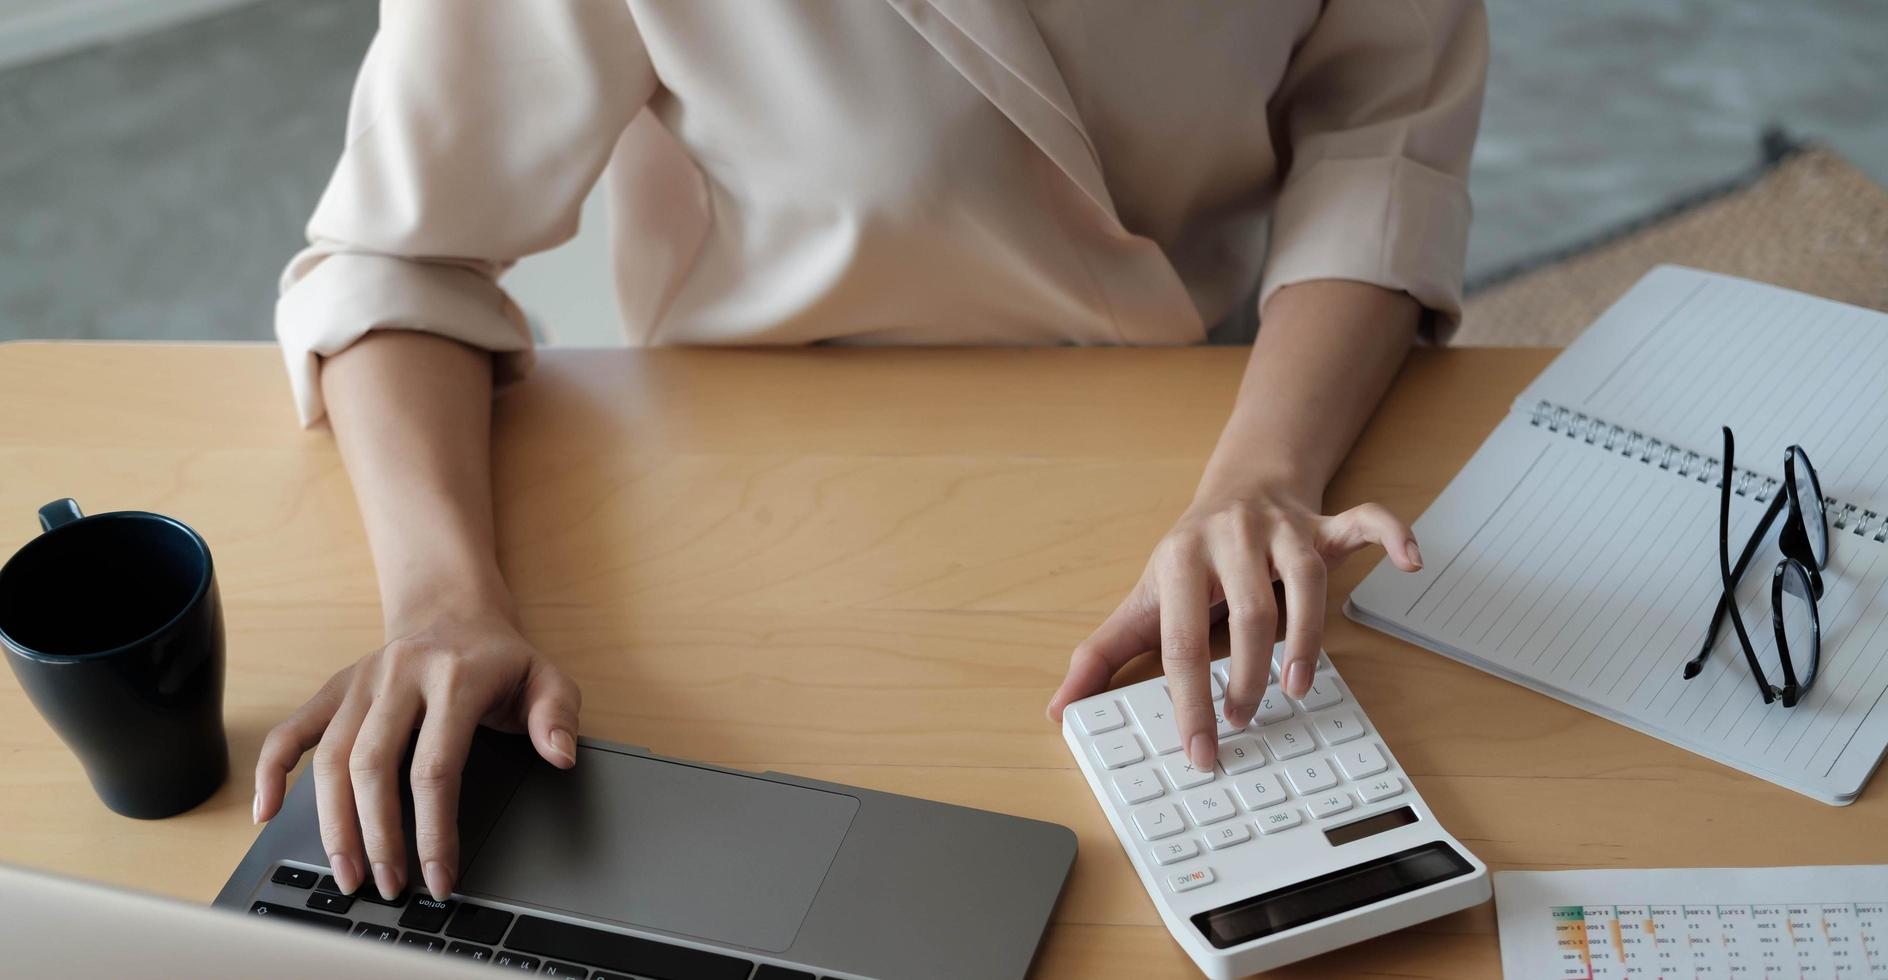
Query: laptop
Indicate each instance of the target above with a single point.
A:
(633, 865)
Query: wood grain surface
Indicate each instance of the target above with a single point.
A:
(862, 566)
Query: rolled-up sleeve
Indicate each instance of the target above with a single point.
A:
(475, 131)
(1376, 116)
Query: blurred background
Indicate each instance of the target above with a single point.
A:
(158, 158)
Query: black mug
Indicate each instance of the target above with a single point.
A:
(113, 625)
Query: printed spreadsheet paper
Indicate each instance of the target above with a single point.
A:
(1576, 553)
(1802, 923)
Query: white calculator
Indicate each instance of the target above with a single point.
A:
(1307, 836)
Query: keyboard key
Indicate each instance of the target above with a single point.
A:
(1290, 741)
(426, 914)
(1223, 728)
(1325, 804)
(1182, 773)
(423, 942)
(1152, 711)
(623, 954)
(1209, 806)
(1380, 788)
(330, 902)
(1242, 754)
(1273, 821)
(288, 913)
(1118, 749)
(1170, 851)
(377, 933)
(565, 970)
(1311, 776)
(1096, 717)
(1138, 785)
(294, 877)
(479, 924)
(1323, 692)
(1258, 792)
(477, 954)
(1228, 835)
(1157, 820)
(1186, 881)
(515, 961)
(1273, 707)
(1361, 760)
(363, 894)
(768, 971)
(1338, 726)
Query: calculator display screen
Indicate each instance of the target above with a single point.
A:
(1330, 894)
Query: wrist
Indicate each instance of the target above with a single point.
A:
(416, 601)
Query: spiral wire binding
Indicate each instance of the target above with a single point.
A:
(1691, 465)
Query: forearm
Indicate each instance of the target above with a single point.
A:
(1325, 354)
(412, 415)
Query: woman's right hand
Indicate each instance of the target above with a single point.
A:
(447, 675)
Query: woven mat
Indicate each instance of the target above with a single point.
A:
(1810, 222)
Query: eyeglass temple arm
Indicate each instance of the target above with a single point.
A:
(1696, 663)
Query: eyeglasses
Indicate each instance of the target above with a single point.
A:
(1795, 585)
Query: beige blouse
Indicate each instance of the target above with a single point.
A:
(892, 171)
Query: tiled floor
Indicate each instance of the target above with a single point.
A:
(154, 188)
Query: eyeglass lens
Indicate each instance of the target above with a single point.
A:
(1809, 496)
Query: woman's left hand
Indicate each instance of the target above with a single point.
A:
(1232, 549)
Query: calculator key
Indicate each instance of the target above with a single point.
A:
(1242, 754)
(1157, 820)
(1258, 792)
(1325, 804)
(1362, 760)
(1186, 881)
(1118, 749)
(1227, 835)
(1273, 707)
(1178, 849)
(1153, 711)
(1273, 821)
(1183, 775)
(1209, 806)
(1226, 729)
(1337, 726)
(1290, 741)
(1323, 692)
(1311, 776)
(1096, 717)
(1380, 788)
(1138, 785)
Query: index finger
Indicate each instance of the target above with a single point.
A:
(1183, 630)
(438, 759)
(1302, 572)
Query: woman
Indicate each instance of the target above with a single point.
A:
(896, 172)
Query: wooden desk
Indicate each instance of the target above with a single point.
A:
(864, 566)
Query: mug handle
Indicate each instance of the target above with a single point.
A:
(59, 513)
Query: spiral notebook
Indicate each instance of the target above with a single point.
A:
(1576, 553)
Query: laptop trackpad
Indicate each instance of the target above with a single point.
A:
(713, 855)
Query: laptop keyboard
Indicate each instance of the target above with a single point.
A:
(486, 934)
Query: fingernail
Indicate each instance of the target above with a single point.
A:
(562, 745)
(386, 880)
(1200, 750)
(347, 874)
(438, 881)
(255, 808)
(1297, 678)
(1415, 553)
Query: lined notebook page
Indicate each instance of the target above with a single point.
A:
(1591, 576)
(1685, 352)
